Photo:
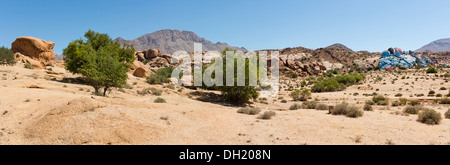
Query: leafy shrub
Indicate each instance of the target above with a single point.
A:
(159, 100)
(283, 101)
(321, 107)
(444, 100)
(161, 76)
(6, 56)
(430, 117)
(249, 111)
(309, 105)
(367, 107)
(267, 115)
(299, 95)
(295, 106)
(432, 70)
(337, 83)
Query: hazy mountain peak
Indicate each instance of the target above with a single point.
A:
(441, 45)
(339, 46)
(170, 41)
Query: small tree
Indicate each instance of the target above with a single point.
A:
(238, 94)
(6, 56)
(100, 60)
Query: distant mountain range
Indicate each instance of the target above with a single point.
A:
(441, 45)
(170, 41)
(339, 46)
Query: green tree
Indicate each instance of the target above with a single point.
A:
(102, 62)
(238, 94)
(6, 56)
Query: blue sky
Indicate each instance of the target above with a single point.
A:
(254, 24)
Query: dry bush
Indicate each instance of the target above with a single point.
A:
(249, 111)
(430, 117)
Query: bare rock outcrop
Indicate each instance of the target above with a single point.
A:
(36, 49)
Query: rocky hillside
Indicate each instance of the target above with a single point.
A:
(441, 45)
(170, 41)
(340, 47)
(340, 57)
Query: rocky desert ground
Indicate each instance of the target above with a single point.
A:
(38, 106)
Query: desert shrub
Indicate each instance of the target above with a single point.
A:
(403, 101)
(438, 95)
(309, 105)
(152, 91)
(321, 107)
(368, 107)
(249, 111)
(378, 98)
(444, 100)
(293, 75)
(340, 109)
(443, 88)
(430, 117)
(370, 102)
(345, 109)
(414, 103)
(432, 70)
(395, 104)
(295, 106)
(337, 83)
(398, 95)
(267, 115)
(303, 83)
(6, 56)
(353, 112)
(28, 66)
(413, 109)
(170, 86)
(101, 61)
(283, 101)
(159, 100)
(447, 114)
(431, 92)
(383, 103)
(299, 95)
(161, 76)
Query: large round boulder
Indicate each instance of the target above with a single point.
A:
(35, 48)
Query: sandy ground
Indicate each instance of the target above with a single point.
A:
(67, 113)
